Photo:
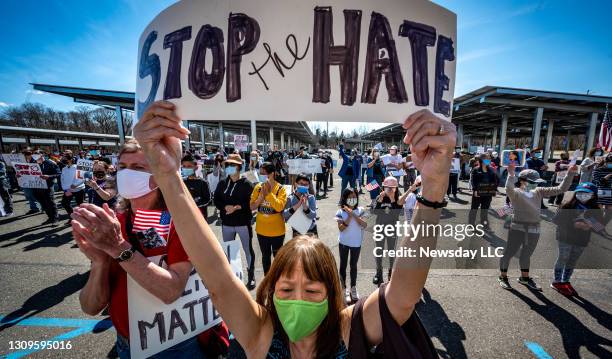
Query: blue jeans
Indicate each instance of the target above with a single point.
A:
(29, 195)
(190, 348)
(346, 181)
(566, 261)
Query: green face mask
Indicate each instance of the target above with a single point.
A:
(300, 318)
(531, 186)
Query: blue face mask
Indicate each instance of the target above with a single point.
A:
(230, 171)
(609, 165)
(486, 162)
(263, 178)
(93, 152)
(302, 189)
(186, 172)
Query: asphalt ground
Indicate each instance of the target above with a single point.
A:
(464, 310)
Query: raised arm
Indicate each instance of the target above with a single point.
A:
(432, 142)
(562, 187)
(159, 132)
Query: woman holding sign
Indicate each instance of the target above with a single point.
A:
(299, 311)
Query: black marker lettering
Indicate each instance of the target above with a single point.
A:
(190, 305)
(201, 83)
(420, 36)
(158, 321)
(445, 52)
(176, 322)
(325, 54)
(149, 65)
(242, 37)
(174, 41)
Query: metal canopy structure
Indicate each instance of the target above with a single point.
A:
(510, 112)
(290, 132)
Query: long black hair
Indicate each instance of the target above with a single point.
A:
(345, 195)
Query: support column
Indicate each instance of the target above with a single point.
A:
(282, 140)
(120, 130)
(494, 138)
(2, 144)
(253, 135)
(537, 126)
(57, 144)
(188, 139)
(459, 142)
(549, 137)
(203, 138)
(271, 145)
(221, 138)
(502, 133)
(567, 143)
(591, 134)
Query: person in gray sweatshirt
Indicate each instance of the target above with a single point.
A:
(302, 200)
(524, 233)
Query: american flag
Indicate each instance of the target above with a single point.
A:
(372, 186)
(605, 133)
(145, 219)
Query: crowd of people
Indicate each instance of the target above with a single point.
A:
(303, 306)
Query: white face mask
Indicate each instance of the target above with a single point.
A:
(36, 157)
(351, 202)
(133, 184)
(584, 197)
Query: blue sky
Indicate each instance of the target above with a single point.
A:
(551, 45)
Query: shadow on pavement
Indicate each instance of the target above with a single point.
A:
(47, 238)
(45, 299)
(439, 325)
(603, 318)
(574, 334)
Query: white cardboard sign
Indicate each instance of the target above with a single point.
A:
(10, 158)
(155, 326)
(299, 60)
(84, 169)
(306, 166)
(28, 175)
(241, 142)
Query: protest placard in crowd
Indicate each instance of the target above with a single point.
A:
(155, 326)
(10, 158)
(28, 175)
(303, 165)
(241, 142)
(84, 169)
(299, 60)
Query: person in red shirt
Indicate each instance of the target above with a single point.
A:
(118, 244)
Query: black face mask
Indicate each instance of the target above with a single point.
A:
(99, 174)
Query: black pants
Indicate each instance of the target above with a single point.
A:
(344, 256)
(390, 246)
(452, 184)
(484, 203)
(45, 198)
(312, 232)
(6, 197)
(66, 200)
(526, 242)
(331, 179)
(322, 180)
(556, 199)
(269, 246)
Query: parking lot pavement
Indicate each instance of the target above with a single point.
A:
(465, 311)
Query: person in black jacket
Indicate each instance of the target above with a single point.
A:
(484, 187)
(232, 199)
(5, 193)
(197, 186)
(50, 171)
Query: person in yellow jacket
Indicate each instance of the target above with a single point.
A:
(269, 199)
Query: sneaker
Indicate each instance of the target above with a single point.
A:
(377, 279)
(354, 294)
(529, 283)
(52, 221)
(251, 284)
(561, 288)
(347, 295)
(503, 282)
(571, 289)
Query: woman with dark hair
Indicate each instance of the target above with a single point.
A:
(375, 172)
(484, 187)
(588, 164)
(298, 311)
(351, 225)
(561, 167)
(387, 210)
(576, 219)
(269, 199)
(302, 200)
(102, 188)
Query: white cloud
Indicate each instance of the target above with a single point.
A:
(4, 104)
(35, 92)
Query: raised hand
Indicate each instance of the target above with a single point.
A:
(432, 142)
(99, 226)
(159, 133)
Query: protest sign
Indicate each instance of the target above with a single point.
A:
(241, 142)
(306, 166)
(455, 165)
(10, 158)
(299, 60)
(28, 175)
(300, 222)
(155, 326)
(84, 169)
